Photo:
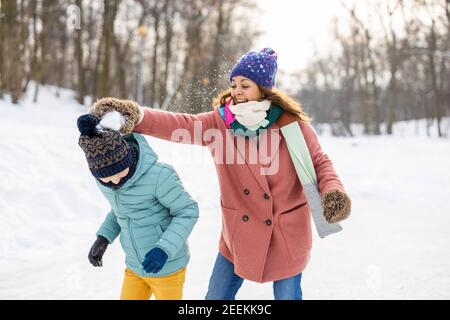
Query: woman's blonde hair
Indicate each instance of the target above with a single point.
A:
(276, 97)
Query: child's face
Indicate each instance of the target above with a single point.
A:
(117, 177)
(243, 90)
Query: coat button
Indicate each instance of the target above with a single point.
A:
(246, 191)
(268, 222)
(245, 218)
(266, 196)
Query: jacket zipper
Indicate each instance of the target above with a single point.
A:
(116, 195)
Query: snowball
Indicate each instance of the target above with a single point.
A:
(112, 120)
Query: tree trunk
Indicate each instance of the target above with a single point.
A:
(347, 95)
(42, 62)
(154, 80)
(12, 33)
(393, 96)
(2, 46)
(62, 65)
(375, 114)
(121, 66)
(392, 104)
(168, 24)
(434, 85)
(34, 57)
(79, 56)
(393, 59)
(193, 61)
(90, 67)
(216, 59)
(97, 69)
(110, 12)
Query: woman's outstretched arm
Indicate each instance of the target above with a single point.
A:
(177, 127)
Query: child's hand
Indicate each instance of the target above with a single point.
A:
(154, 260)
(96, 253)
(336, 205)
(130, 110)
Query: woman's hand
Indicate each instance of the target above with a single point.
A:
(129, 109)
(336, 205)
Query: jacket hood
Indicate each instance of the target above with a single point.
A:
(147, 157)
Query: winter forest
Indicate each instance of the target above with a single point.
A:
(374, 76)
(389, 61)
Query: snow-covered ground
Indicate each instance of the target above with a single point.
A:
(395, 245)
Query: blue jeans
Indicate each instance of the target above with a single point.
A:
(224, 283)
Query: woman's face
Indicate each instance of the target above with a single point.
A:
(117, 177)
(243, 89)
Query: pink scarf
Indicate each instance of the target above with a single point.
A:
(229, 116)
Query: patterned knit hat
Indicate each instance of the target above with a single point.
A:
(106, 152)
(261, 67)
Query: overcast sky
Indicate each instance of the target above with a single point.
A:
(293, 28)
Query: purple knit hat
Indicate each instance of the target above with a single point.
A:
(261, 67)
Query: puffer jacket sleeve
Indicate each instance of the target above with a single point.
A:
(183, 209)
(109, 229)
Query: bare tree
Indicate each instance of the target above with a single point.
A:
(393, 53)
(79, 55)
(13, 33)
(109, 16)
(169, 15)
(370, 90)
(2, 46)
(431, 39)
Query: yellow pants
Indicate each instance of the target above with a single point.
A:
(170, 287)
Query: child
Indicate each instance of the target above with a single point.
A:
(150, 210)
(266, 218)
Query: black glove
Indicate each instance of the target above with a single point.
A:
(97, 251)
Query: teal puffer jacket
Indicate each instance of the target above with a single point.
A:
(151, 209)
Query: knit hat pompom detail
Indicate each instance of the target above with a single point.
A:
(87, 125)
(271, 52)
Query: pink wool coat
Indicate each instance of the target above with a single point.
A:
(266, 221)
